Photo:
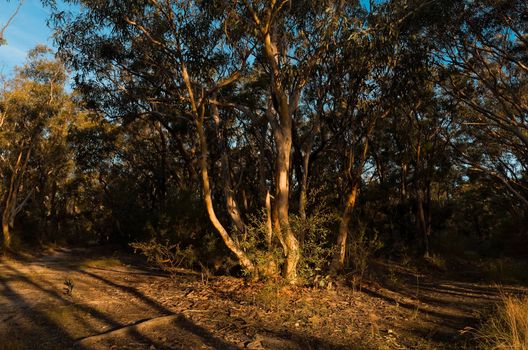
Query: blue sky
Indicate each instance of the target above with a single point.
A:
(26, 30)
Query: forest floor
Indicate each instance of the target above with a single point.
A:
(85, 299)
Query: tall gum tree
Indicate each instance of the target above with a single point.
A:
(292, 39)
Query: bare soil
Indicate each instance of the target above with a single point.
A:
(114, 302)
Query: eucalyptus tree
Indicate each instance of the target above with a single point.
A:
(484, 62)
(293, 39)
(30, 103)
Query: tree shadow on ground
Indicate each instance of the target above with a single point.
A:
(31, 327)
(444, 306)
(143, 329)
(44, 332)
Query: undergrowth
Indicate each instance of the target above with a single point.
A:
(361, 248)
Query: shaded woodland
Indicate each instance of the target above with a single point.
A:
(267, 138)
(271, 158)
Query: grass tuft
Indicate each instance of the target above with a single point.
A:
(507, 328)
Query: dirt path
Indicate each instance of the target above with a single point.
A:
(114, 305)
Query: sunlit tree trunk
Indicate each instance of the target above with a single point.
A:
(231, 245)
(282, 132)
(338, 262)
(6, 233)
(269, 225)
(283, 141)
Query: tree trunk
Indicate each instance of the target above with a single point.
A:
(277, 227)
(282, 131)
(269, 226)
(423, 224)
(424, 219)
(303, 197)
(283, 141)
(10, 205)
(6, 234)
(338, 262)
(199, 114)
(231, 245)
(231, 203)
(307, 157)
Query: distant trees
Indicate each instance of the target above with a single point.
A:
(34, 110)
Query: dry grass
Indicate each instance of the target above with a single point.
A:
(101, 263)
(508, 327)
(11, 344)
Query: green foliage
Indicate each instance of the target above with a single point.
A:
(317, 239)
(253, 242)
(316, 245)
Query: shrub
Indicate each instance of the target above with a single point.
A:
(253, 243)
(314, 235)
(168, 257)
(317, 245)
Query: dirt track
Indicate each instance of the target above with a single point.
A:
(114, 305)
